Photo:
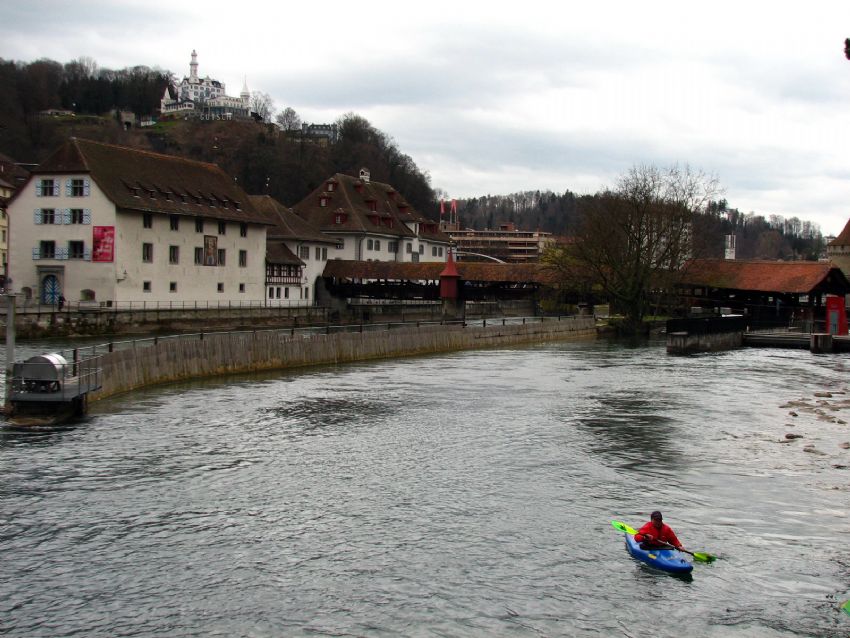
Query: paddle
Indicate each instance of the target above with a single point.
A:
(702, 557)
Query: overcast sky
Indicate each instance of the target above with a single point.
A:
(497, 97)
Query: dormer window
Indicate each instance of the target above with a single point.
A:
(331, 185)
(373, 205)
(374, 219)
(340, 218)
(323, 200)
(358, 186)
(391, 194)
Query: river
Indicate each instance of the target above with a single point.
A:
(466, 494)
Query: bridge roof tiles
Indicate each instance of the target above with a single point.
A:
(800, 277)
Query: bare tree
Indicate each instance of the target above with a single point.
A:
(263, 105)
(635, 239)
(288, 119)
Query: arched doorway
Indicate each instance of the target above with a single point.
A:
(50, 290)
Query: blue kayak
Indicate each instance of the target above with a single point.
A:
(668, 560)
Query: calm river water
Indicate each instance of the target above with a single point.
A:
(467, 494)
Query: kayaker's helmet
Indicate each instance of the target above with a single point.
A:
(656, 515)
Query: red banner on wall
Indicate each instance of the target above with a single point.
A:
(103, 243)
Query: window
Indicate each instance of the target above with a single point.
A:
(433, 251)
(421, 249)
(147, 220)
(76, 250)
(47, 188)
(172, 286)
(241, 287)
(221, 256)
(76, 216)
(340, 244)
(174, 254)
(199, 225)
(174, 220)
(369, 244)
(304, 252)
(392, 247)
(147, 253)
(243, 229)
(409, 248)
(221, 286)
(338, 219)
(324, 254)
(377, 244)
(77, 188)
(285, 293)
(199, 256)
(146, 286)
(47, 249)
(222, 228)
(48, 216)
(243, 259)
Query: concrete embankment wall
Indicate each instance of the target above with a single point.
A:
(186, 358)
(684, 343)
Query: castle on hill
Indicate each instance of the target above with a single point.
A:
(204, 98)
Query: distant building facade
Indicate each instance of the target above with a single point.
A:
(507, 244)
(204, 98)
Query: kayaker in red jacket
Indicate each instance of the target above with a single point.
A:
(656, 530)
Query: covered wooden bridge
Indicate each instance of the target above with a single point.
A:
(393, 280)
(766, 292)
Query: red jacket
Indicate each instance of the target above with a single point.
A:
(664, 534)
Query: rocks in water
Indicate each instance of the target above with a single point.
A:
(827, 395)
(793, 436)
(811, 449)
(843, 446)
(792, 413)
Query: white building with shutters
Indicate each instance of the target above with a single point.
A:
(110, 225)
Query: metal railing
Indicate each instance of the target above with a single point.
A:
(55, 383)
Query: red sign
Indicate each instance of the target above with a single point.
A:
(103, 243)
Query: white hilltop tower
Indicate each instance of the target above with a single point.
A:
(245, 95)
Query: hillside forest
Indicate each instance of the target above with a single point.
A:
(275, 159)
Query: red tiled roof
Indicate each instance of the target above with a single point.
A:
(430, 271)
(151, 182)
(764, 276)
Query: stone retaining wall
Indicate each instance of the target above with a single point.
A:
(186, 358)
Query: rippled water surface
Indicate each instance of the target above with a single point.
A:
(459, 495)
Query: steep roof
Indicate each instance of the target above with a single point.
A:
(287, 225)
(843, 238)
(278, 253)
(430, 271)
(765, 276)
(143, 181)
(366, 207)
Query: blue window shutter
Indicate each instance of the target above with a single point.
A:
(87, 215)
(38, 188)
(87, 254)
(36, 253)
(66, 215)
(61, 253)
(36, 218)
(86, 187)
(68, 187)
(55, 188)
